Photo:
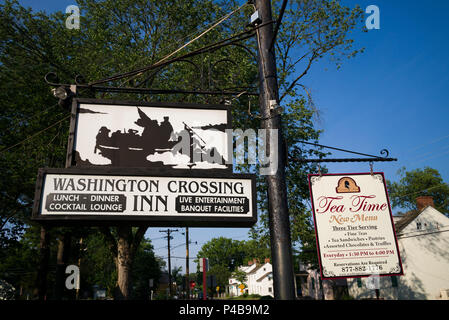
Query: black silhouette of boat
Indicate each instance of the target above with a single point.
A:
(129, 149)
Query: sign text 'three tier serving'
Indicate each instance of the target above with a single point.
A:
(354, 225)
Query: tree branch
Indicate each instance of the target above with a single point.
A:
(7, 218)
(293, 84)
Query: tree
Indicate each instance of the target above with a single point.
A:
(116, 37)
(18, 260)
(97, 264)
(419, 182)
(146, 266)
(226, 255)
(113, 38)
(240, 276)
(177, 279)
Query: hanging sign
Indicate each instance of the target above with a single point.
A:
(109, 133)
(354, 225)
(107, 196)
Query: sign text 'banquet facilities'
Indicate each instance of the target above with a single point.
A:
(176, 200)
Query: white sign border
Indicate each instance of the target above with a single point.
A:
(152, 221)
(398, 271)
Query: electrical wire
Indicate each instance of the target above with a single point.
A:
(177, 42)
(34, 135)
(434, 156)
(137, 72)
(34, 116)
(411, 194)
(434, 141)
(203, 33)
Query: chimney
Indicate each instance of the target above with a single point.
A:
(250, 263)
(424, 201)
(267, 260)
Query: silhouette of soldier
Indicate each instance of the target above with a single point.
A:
(102, 138)
(166, 130)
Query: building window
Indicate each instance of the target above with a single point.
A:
(359, 283)
(270, 289)
(418, 225)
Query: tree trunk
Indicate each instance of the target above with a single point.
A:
(124, 250)
(64, 242)
(41, 281)
(124, 262)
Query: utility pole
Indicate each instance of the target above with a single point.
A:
(168, 231)
(281, 251)
(187, 265)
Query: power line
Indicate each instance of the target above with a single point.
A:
(434, 141)
(169, 237)
(140, 71)
(416, 192)
(434, 156)
(31, 117)
(235, 38)
(176, 257)
(203, 33)
(177, 42)
(34, 135)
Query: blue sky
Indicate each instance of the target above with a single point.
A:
(393, 96)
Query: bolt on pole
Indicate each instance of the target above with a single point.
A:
(281, 250)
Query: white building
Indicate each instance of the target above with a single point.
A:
(259, 279)
(423, 240)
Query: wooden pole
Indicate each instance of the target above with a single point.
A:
(204, 279)
(281, 251)
(187, 266)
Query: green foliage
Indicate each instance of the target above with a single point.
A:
(113, 38)
(419, 182)
(18, 261)
(145, 267)
(97, 264)
(226, 255)
(116, 37)
(240, 276)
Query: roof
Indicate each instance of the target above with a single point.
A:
(406, 219)
(258, 266)
(266, 274)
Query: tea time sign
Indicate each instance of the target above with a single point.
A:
(354, 225)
